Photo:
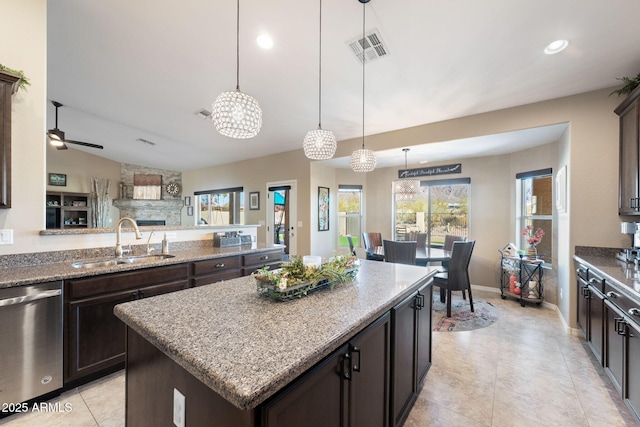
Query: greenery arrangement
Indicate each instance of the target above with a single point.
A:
(294, 280)
(23, 82)
(629, 85)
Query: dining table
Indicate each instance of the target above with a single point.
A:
(424, 255)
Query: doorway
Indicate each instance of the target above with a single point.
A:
(281, 215)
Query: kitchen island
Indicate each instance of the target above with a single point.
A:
(238, 356)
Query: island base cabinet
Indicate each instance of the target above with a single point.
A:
(349, 388)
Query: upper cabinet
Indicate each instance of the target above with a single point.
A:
(629, 186)
(7, 82)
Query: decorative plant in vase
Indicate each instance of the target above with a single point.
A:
(533, 239)
(294, 279)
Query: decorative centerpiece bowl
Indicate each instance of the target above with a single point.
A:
(294, 280)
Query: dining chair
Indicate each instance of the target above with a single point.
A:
(352, 248)
(371, 240)
(421, 240)
(450, 239)
(456, 278)
(410, 236)
(400, 252)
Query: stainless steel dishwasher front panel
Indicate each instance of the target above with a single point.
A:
(30, 341)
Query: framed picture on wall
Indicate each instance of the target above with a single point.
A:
(254, 200)
(323, 209)
(58, 179)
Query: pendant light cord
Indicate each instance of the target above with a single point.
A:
(238, 46)
(363, 62)
(320, 71)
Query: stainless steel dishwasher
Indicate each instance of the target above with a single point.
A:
(30, 341)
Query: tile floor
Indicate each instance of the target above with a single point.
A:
(521, 371)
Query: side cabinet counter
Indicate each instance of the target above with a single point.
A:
(246, 348)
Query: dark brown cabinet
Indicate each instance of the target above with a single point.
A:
(411, 351)
(7, 82)
(94, 336)
(255, 261)
(215, 270)
(629, 173)
(350, 387)
(590, 313)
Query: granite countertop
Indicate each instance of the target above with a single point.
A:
(246, 347)
(603, 262)
(38, 273)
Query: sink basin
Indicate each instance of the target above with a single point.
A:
(96, 264)
(145, 258)
(115, 261)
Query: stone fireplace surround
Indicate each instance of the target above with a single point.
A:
(168, 208)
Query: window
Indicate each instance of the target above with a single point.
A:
(535, 208)
(441, 208)
(349, 214)
(220, 207)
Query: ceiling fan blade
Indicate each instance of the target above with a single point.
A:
(86, 144)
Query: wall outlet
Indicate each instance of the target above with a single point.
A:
(6, 236)
(178, 408)
(560, 293)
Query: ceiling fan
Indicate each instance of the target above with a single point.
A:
(56, 136)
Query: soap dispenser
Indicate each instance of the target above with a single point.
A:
(165, 244)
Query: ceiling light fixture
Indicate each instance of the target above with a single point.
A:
(236, 114)
(556, 47)
(320, 144)
(363, 160)
(406, 189)
(265, 41)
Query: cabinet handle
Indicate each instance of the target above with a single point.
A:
(346, 372)
(619, 325)
(356, 365)
(134, 295)
(634, 311)
(612, 294)
(585, 292)
(594, 281)
(264, 258)
(419, 301)
(220, 265)
(140, 294)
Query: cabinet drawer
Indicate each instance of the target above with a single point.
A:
(622, 301)
(262, 258)
(200, 268)
(246, 271)
(228, 274)
(80, 288)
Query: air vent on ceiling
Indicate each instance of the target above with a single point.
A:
(204, 114)
(145, 141)
(370, 48)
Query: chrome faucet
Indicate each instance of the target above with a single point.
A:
(119, 250)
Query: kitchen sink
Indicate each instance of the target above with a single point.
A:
(116, 261)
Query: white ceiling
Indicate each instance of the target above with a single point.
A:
(142, 69)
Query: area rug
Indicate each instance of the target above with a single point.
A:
(462, 319)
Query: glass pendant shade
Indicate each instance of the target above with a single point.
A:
(363, 160)
(236, 115)
(406, 189)
(319, 144)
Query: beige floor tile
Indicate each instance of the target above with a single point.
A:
(77, 414)
(106, 399)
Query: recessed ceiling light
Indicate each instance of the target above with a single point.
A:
(422, 162)
(265, 41)
(556, 46)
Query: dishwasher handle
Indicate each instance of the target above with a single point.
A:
(28, 298)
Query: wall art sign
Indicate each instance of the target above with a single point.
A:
(58, 179)
(430, 171)
(254, 200)
(323, 209)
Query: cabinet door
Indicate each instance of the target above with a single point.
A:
(165, 288)
(628, 186)
(633, 367)
(403, 320)
(596, 322)
(423, 342)
(583, 303)
(95, 336)
(614, 356)
(369, 386)
(317, 399)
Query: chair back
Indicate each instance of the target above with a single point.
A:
(449, 239)
(458, 271)
(421, 240)
(352, 248)
(411, 236)
(371, 239)
(400, 252)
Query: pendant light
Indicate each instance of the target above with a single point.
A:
(236, 114)
(406, 189)
(320, 144)
(363, 160)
